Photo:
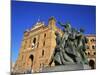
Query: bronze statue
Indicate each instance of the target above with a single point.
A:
(70, 48)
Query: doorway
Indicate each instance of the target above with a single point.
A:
(92, 64)
(31, 57)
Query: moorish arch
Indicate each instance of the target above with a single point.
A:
(31, 57)
(92, 63)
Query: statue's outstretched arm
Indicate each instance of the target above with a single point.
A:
(61, 24)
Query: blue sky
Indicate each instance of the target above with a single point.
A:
(25, 14)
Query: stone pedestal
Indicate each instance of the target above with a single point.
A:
(70, 67)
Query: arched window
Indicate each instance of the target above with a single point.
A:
(44, 35)
(33, 43)
(34, 40)
(93, 40)
(42, 52)
(93, 47)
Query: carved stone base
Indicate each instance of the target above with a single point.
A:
(71, 67)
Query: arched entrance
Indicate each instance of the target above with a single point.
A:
(92, 64)
(31, 57)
